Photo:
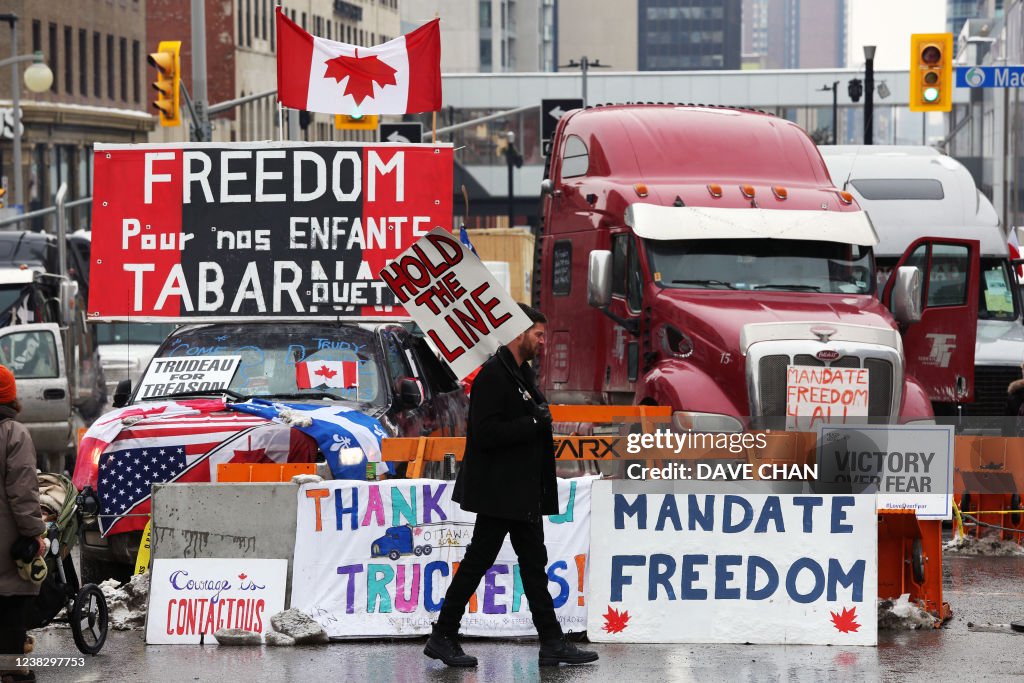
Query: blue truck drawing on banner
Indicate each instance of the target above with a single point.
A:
(398, 541)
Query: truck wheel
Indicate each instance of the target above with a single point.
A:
(427, 548)
(917, 560)
(1015, 505)
(394, 555)
(418, 550)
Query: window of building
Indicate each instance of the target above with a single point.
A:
(273, 30)
(485, 14)
(124, 69)
(97, 88)
(241, 23)
(37, 36)
(83, 63)
(266, 19)
(136, 57)
(69, 70)
(485, 54)
(111, 93)
(248, 23)
(51, 58)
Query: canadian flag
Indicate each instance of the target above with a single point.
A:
(401, 76)
(321, 373)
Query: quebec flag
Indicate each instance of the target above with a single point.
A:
(336, 429)
(464, 238)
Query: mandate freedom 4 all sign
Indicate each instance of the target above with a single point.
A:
(377, 559)
(765, 569)
(258, 230)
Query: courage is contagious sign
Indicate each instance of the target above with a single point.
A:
(270, 230)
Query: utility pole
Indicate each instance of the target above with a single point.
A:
(514, 160)
(200, 100)
(835, 109)
(869, 94)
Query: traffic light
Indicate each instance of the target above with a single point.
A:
(168, 81)
(855, 88)
(3, 198)
(356, 121)
(931, 72)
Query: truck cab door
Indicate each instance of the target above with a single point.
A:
(939, 348)
(35, 354)
(622, 364)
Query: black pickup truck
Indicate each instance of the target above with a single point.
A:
(401, 383)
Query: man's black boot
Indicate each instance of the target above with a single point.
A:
(445, 646)
(562, 651)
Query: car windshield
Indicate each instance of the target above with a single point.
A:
(291, 361)
(762, 264)
(133, 333)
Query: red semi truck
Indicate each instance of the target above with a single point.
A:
(693, 255)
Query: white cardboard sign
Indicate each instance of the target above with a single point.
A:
(199, 596)
(752, 568)
(167, 376)
(823, 394)
(455, 299)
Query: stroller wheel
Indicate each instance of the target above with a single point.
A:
(89, 619)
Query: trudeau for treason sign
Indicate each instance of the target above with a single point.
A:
(258, 230)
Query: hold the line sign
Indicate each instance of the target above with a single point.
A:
(455, 299)
(285, 230)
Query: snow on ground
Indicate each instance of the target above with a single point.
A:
(986, 545)
(901, 614)
(127, 604)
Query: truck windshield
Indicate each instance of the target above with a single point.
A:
(291, 361)
(997, 293)
(760, 264)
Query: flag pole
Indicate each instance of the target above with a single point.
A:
(280, 122)
(433, 130)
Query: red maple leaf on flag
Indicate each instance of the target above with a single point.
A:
(326, 372)
(242, 576)
(362, 73)
(615, 621)
(846, 621)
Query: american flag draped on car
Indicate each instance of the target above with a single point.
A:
(158, 450)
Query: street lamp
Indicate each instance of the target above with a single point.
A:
(38, 78)
(869, 94)
(514, 160)
(835, 109)
(584, 65)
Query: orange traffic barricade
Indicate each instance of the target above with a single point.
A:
(246, 472)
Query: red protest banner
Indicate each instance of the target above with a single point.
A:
(258, 230)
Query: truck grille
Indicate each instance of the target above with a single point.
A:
(771, 381)
(990, 384)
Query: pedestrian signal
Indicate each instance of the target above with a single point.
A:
(356, 121)
(931, 72)
(168, 81)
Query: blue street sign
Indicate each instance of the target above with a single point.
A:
(990, 76)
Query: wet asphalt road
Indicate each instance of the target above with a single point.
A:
(980, 590)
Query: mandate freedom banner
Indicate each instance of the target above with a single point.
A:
(764, 569)
(375, 559)
(258, 229)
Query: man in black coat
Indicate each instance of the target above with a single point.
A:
(507, 478)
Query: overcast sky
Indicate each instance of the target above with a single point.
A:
(887, 24)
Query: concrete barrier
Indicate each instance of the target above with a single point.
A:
(225, 520)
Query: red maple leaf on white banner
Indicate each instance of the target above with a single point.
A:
(846, 621)
(615, 621)
(362, 73)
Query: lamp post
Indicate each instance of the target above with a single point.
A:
(584, 65)
(869, 94)
(514, 160)
(835, 109)
(38, 78)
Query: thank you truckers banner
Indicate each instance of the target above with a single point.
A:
(258, 230)
(375, 559)
(752, 568)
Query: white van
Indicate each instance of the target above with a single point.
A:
(912, 191)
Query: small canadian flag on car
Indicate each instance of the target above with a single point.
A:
(322, 373)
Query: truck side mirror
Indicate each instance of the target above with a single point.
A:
(546, 186)
(906, 295)
(122, 393)
(410, 393)
(599, 278)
